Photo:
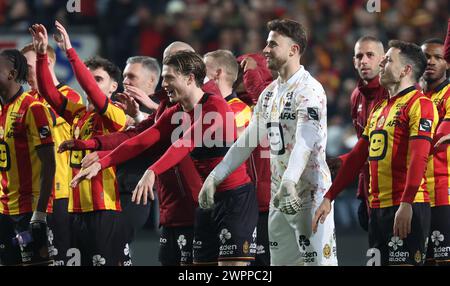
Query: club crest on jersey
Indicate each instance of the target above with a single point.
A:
(381, 121)
(425, 125)
(313, 113)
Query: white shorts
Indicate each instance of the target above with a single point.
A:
(293, 243)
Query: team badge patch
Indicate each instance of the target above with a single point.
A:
(381, 121)
(418, 256)
(44, 132)
(425, 125)
(313, 113)
(327, 251)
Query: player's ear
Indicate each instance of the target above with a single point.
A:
(114, 86)
(294, 50)
(191, 79)
(406, 70)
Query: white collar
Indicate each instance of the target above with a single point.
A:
(301, 71)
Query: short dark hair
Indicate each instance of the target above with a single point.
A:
(111, 69)
(186, 63)
(433, 41)
(19, 63)
(411, 54)
(291, 29)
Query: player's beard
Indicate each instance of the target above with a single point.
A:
(276, 63)
(388, 79)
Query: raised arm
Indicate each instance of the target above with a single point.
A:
(44, 79)
(82, 74)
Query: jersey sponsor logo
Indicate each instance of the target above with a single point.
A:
(227, 249)
(308, 257)
(394, 122)
(441, 252)
(288, 116)
(425, 125)
(5, 157)
(313, 113)
(437, 237)
(181, 241)
(276, 139)
(224, 235)
(395, 243)
(98, 260)
(303, 241)
(377, 145)
(395, 254)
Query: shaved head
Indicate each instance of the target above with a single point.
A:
(176, 47)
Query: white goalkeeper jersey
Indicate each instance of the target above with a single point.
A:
(294, 114)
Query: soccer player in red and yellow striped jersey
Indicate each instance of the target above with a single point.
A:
(100, 195)
(396, 141)
(27, 164)
(58, 220)
(437, 88)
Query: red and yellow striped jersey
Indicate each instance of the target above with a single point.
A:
(25, 125)
(242, 112)
(101, 192)
(390, 127)
(61, 133)
(438, 168)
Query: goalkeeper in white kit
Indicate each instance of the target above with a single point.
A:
(291, 111)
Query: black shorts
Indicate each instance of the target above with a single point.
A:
(134, 216)
(393, 250)
(14, 253)
(99, 238)
(59, 231)
(228, 231)
(439, 239)
(262, 257)
(175, 245)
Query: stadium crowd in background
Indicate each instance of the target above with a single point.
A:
(323, 85)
